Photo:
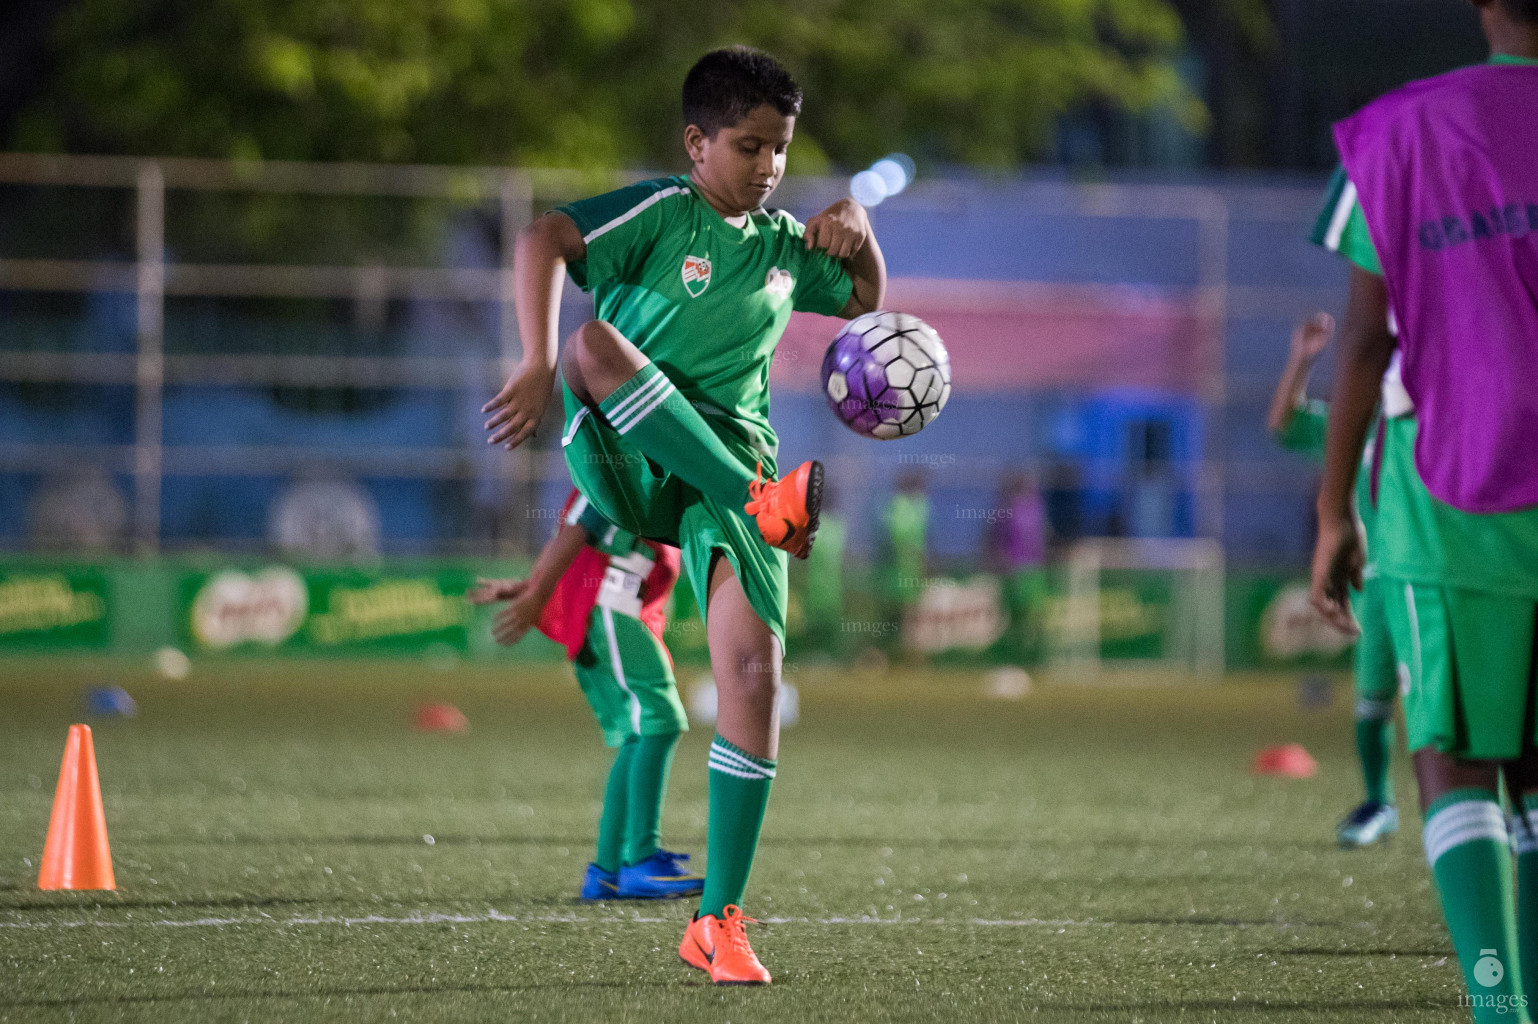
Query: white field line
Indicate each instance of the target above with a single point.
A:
(497, 917)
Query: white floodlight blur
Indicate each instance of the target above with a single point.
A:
(868, 188)
(892, 175)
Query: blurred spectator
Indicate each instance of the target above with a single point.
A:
(325, 519)
(82, 510)
(1017, 550)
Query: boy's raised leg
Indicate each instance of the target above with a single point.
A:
(607, 372)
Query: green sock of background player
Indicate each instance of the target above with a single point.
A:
(616, 798)
(651, 413)
(1374, 740)
(1467, 845)
(1524, 833)
(739, 795)
(647, 789)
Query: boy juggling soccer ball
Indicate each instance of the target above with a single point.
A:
(1444, 175)
(666, 397)
(602, 594)
(1299, 425)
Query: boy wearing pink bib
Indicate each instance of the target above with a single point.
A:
(1442, 175)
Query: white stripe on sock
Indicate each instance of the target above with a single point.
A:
(624, 405)
(1467, 821)
(643, 412)
(740, 760)
(1523, 839)
(726, 769)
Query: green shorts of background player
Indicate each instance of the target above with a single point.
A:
(1299, 425)
(610, 630)
(666, 399)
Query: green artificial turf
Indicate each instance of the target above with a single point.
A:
(287, 848)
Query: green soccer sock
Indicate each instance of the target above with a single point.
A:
(1374, 740)
(1524, 841)
(611, 823)
(651, 413)
(739, 794)
(1466, 845)
(648, 789)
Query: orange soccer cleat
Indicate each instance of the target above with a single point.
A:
(719, 945)
(787, 508)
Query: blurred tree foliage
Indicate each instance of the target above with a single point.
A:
(588, 83)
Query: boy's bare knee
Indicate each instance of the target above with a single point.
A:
(596, 343)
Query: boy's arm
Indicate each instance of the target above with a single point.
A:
(544, 249)
(554, 559)
(844, 231)
(1365, 350)
(1308, 340)
(526, 599)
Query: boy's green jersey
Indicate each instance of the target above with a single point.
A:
(705, 301)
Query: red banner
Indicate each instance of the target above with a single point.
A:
(1010, 335)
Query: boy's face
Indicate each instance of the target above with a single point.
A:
(743, 163)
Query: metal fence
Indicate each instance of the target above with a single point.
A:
(1205, 245)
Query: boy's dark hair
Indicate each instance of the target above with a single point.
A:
(1521, 10)
(725, 85)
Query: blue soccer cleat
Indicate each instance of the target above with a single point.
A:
(661, 876)
(598, 884)
(1368, 824)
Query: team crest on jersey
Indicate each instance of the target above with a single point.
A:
(696, 275)
(779, 283)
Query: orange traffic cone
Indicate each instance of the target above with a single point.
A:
(76, 855)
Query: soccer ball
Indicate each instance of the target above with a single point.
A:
(887, 375)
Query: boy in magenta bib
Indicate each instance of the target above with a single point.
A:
(1441, 179)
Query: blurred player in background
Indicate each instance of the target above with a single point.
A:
(1299, 425)
(1017, 551)
(1444, 176)
(602, 594)
(667, 410)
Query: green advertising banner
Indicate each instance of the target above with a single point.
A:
(414, 608)
(62, 607)
(279, 607)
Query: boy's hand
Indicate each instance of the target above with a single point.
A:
(1311, 336)
(1338, 561)
(491, 591)
(519, 406)
(524, 604)
(520, 615)
(840, 230)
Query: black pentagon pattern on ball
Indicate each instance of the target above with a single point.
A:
(912, 382)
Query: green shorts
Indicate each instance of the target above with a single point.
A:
(627, 679)
(1376, 668)
(637, 495)
(1466, 658)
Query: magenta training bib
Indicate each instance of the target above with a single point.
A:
(1446, 171)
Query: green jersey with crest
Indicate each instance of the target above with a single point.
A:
(704, 300)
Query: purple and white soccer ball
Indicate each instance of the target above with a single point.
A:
(887, 375)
